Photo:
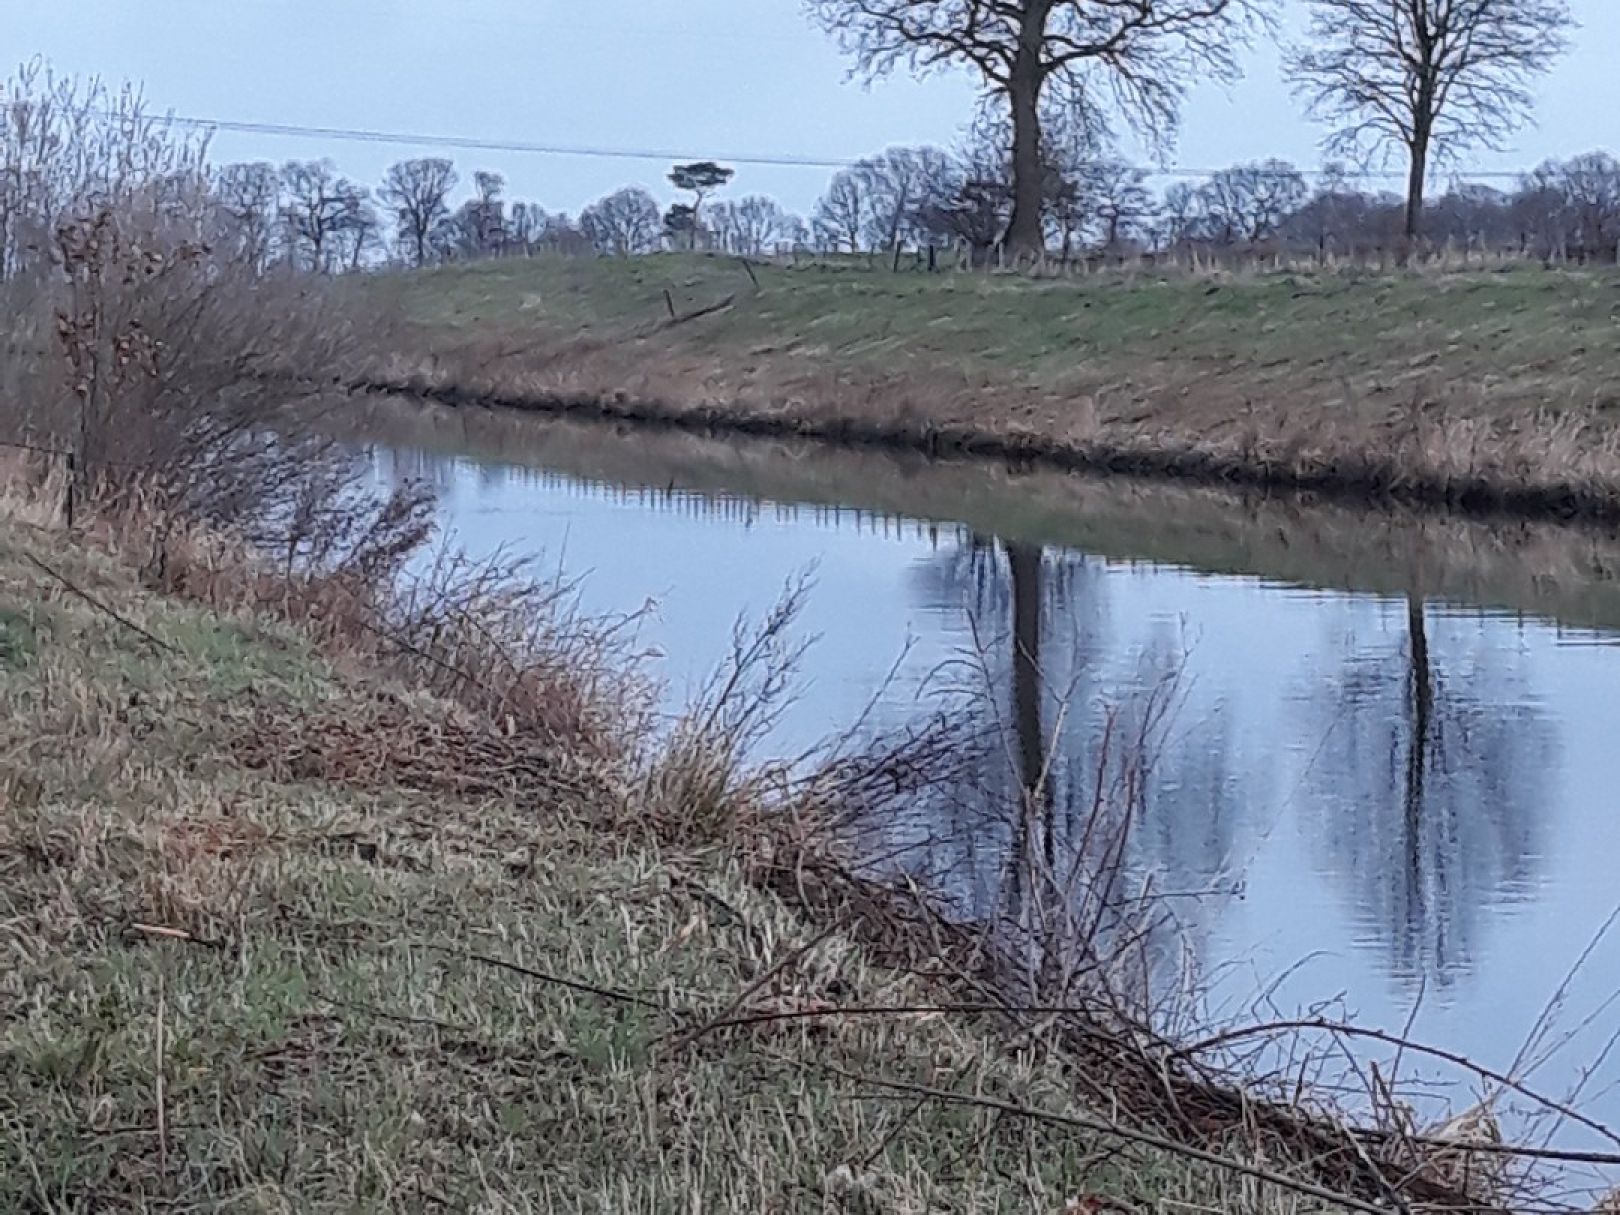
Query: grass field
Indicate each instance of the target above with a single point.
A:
(1474, 387)
(258, 953)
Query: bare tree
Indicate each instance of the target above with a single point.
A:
(1057, 52)
(317, 204)
(842, 216)
(900, 183)
(358, 232)
(1180, 215)
(486, 214)
(560, 234)
(526, 226)
(1539, 212)
(759, 224)
(1117, 198)
(722, 228)
(416, 192)
(1431, 78)
(1251, 202)
(1472, 216)
(1591, 185)
(626, 222)
(249, 197)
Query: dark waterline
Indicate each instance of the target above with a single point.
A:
(1390, 765)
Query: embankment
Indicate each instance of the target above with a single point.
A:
(1480, 392)
(293, 923)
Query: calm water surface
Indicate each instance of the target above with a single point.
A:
(1390, 782)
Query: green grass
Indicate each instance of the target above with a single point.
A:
(1473, 388)
(1056, 333)
(226, 988)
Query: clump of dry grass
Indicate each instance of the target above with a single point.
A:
(508, 645)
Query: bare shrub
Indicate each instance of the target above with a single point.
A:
(171, 366)
(65, 143)
(145, 350)
(700, 787)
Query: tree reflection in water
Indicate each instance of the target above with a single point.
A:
(1427, 791)
(1079, 801)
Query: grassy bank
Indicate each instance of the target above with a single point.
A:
(284, 929)
(280, 932)
(1488, 390)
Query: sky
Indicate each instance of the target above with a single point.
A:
(701, 78)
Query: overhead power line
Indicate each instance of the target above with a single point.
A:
(763, 160)
(416, 139)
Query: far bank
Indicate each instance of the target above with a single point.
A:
(1479, 390)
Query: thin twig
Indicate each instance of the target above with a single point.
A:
(726, 1015)
(100, 606)
(591, 989)
(175, 934)
(399, 1018)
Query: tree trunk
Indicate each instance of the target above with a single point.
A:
(1417, 177)
(1024, 236)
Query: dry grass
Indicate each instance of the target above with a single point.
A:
(1476, 389)
(262, 947)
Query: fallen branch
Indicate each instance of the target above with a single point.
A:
(1103, 1126)
(706, 310)
(1403, 1043)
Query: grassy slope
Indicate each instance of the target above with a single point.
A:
(1525, 326)
(325, 1040)
(1436, 375)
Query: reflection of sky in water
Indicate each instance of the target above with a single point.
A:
(1287, 762)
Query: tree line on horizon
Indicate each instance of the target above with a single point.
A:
(905, 199)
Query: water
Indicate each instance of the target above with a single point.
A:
(1387, 785)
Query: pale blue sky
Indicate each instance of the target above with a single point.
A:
(704, 77)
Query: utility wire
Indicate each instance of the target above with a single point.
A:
(766, 160)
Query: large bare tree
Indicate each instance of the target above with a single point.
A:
(1430, 78)
(416, 192)
(1060, 53)
(317, 205)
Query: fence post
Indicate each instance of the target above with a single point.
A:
(72, 484)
